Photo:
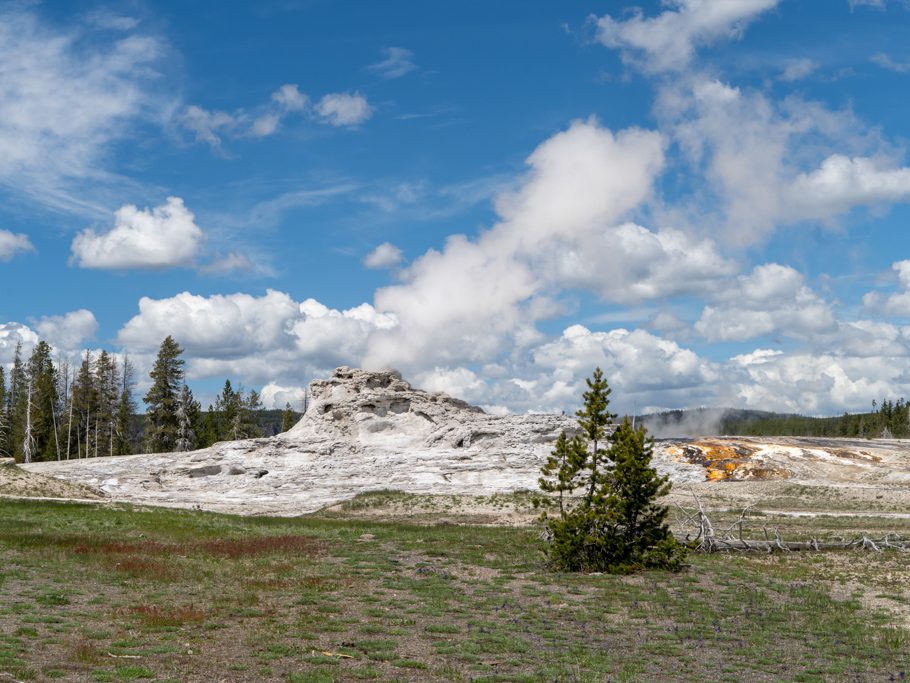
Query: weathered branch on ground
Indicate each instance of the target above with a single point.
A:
(705, 538)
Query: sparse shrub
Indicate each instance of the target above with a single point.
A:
(616, 526)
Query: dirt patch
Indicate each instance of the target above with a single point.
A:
(16, 482)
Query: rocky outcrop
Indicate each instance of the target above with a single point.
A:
(361, 431)
(362, 410)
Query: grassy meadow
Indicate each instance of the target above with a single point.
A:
(101, 593)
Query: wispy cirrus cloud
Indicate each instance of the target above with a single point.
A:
(885, 62)
(396, 62)
(48, 154)
(211, 127)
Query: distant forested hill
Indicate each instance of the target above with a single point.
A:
(888, 419)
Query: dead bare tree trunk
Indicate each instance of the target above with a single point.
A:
(56, 437)
(69, 429)
(706, 539)
(27, 439)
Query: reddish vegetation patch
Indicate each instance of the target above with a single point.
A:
(231, 548)
(123, 547)
(140, 567)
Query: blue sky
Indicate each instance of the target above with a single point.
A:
(708, 199)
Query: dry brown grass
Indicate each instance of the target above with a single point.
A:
(87, 652)
(155, 616)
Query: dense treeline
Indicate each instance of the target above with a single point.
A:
(888, 419)
(54, 413)
(51, 411)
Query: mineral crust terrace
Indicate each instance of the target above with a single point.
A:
(366, 431)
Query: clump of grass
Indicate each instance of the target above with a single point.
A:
(86, 652)
(52, 599)
(161, 617)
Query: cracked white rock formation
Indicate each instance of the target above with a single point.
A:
(362, 431)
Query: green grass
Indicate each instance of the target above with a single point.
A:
(199, 595)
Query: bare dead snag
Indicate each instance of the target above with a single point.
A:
(703, 537)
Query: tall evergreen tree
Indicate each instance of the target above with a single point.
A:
(636, 522)
(287, 417)
(227, 405)
(593, 418)
(126, 408)
(616, 526)
(42, 404)
(16, 404)
(107, 381)
(4, 422)
(249, 406)
(163, 397)
(188, 419)
(209, 432)
(84, 408)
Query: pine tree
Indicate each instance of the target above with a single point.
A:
(560, 472)
(162, 398)
(16, 404)
(126, 408)
(42, 405)
(209, 433)
(635, 519)
(593, 418)
(226, 408)
(287, 417)
(107, 381)
(186, 408)
(249, 406)
(84, 407)
(4, 423)
(616, 526)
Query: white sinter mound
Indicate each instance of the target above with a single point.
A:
(362, 431)
(365, 431)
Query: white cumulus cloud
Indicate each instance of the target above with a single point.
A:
(163, 237)
(68, 332)
(668, 41)
(344, 109)
(772, 298)
(12, 334)
(476, 297)
(277, 396)
(213, 126)
(12, 244)
(897, 303)
(842, 182)
(268, 338)
(385, 255)
(769, 164)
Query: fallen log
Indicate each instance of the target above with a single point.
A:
(705, 538)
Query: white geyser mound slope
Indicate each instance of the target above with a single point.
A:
(362, 431)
